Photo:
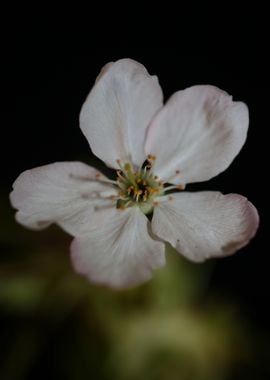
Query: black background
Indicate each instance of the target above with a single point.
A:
(48, 88)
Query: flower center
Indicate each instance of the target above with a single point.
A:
(138, 187)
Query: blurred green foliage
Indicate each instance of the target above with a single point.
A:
(56, 325)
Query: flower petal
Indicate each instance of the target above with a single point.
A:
(205, 224)
(122, 253)
(118, 110)
(198, 133)
(64, 193)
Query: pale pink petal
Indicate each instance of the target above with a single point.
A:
(118, 110)
(122, 253)
(104, 69)
(65, 193)
(198, 133)
(205, 224)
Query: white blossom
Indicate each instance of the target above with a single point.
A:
(156, 150)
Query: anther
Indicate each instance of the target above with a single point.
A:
(130, 189)
(180, 187)
(177, 172)
(138, 193)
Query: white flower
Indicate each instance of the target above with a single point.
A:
(194, 137)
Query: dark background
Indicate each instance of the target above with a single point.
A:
(48, 88)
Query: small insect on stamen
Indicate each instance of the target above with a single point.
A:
(146, 165)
